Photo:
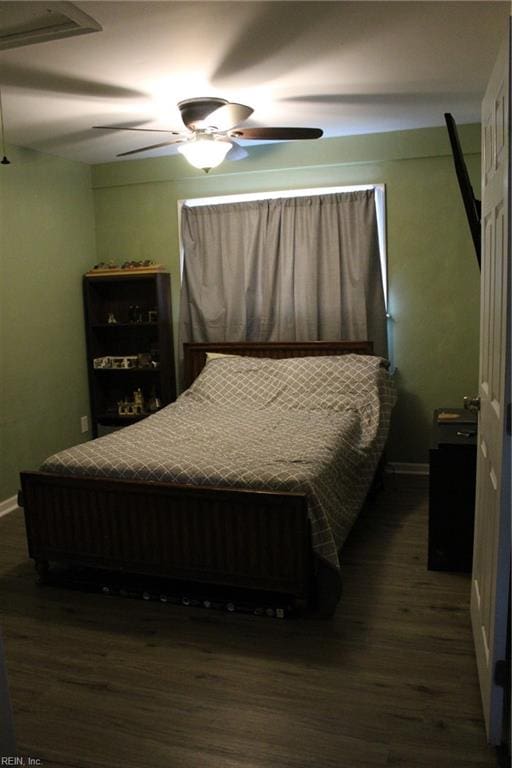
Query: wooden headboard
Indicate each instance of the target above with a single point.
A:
(195, 353)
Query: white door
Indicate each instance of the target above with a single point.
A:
(491, 559)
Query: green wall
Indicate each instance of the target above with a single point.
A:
(46, 244)
(433, 273)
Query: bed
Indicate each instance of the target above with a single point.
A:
(251, 480)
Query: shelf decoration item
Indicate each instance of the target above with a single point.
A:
(134, 407)
(144, 360)
(154, 403)
(102, 362)
(134, 314)
(125, 362)
(128, 267)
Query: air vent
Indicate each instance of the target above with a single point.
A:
(37, 22)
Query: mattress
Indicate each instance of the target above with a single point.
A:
(313, 425)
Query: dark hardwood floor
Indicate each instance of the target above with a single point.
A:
(101, 682)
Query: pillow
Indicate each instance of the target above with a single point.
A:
(236, 380)
(332, 383)
(215, 355)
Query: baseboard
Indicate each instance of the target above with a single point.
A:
(405, 468)
(8, 505)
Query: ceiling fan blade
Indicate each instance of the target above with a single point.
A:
(151, 146)
(236, 152)
(226, 117)
(37, 78)
(130, 128)
(276, 134)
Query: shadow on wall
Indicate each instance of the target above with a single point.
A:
(410, 430)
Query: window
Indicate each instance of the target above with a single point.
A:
(380, 209)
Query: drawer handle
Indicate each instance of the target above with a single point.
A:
(466, 434)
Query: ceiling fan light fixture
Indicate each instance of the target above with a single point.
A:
(205, 152)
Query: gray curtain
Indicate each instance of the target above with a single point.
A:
(291, 269)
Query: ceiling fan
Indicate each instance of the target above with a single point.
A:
(213, 130)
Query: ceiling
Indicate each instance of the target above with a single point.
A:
(345, 67)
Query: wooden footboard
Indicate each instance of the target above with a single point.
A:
(247, 539)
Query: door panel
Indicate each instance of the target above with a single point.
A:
(491, 557)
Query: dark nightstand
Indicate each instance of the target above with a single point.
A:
(452, 490)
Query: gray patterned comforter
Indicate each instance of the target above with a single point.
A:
(315, 425)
